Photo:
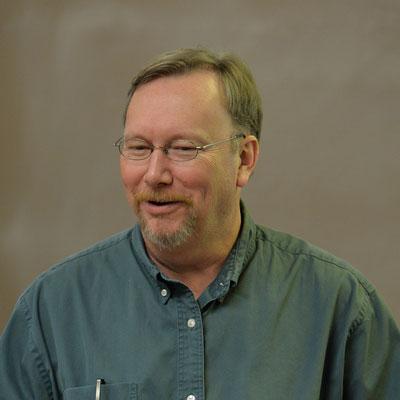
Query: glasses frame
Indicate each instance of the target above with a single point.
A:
(165, 149)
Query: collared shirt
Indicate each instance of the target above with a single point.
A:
(282, 320)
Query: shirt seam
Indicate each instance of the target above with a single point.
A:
(361, 316)
(369, 290)
(84, 253)
(38, 357)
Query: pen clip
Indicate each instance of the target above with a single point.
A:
(99, 382)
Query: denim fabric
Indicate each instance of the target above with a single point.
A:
(283, 320)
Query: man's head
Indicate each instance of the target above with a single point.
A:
(241, 96)
(196, 201)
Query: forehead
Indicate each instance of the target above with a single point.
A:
(192, 102)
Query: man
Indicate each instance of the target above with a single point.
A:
(198, 302)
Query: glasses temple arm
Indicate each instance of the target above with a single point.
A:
(238, 136)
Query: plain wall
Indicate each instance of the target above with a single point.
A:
(329, 75)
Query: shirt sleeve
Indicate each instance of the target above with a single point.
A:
(23, 374)
(372, 367)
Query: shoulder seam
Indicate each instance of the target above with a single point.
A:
(361, 316)
(314, 256)
(91, 250)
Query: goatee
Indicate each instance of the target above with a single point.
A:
(170, 240)
(166, 240)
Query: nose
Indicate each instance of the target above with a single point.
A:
(158, 172)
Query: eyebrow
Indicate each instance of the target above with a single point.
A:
(190, 136)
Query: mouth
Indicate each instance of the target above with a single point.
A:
(159, 204)
(161, 207)
(162, 203)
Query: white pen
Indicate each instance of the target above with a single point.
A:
(98, 388)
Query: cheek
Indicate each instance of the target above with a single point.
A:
(196, 178)
(194, 184)
(208, 183)
(130, 176)
(220, 168)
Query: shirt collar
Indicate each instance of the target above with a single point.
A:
(244, 246)
(235, 263)
(230, 273)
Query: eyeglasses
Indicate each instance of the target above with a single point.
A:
(177, 150)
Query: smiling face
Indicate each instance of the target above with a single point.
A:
(182, 203)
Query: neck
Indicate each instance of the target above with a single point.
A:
(197, 262)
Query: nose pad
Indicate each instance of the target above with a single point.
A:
(158, 172)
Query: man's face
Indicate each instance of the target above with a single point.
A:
(181, 202)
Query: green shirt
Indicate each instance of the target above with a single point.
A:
(283, 320)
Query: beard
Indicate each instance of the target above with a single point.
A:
(169, 240)
(164, 239)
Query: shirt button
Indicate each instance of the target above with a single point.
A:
(191, 397)
(191, 323)
(164, 292)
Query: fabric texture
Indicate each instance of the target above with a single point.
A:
(283, 320)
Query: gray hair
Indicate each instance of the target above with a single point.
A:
(243, 101)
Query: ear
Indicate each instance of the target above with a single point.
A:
(249, 152)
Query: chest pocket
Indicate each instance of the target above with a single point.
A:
(112, 391)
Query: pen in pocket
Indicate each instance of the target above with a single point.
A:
(99, 382)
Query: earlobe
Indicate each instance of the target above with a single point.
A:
(248, 158)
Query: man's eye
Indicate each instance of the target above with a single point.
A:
(183, 147)
(137, 147)
(182, 151)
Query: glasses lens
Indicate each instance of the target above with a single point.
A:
(135, 149)
(182, 150)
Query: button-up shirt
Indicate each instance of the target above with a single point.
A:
(282, 320)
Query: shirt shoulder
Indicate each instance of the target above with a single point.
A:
(293, 247)
(317, 274)
(85, 265)
(104, 245)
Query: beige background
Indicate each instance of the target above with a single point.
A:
(329, 74)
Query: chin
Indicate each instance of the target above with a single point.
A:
(165, 237)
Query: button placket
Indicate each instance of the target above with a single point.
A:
(190, 348)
